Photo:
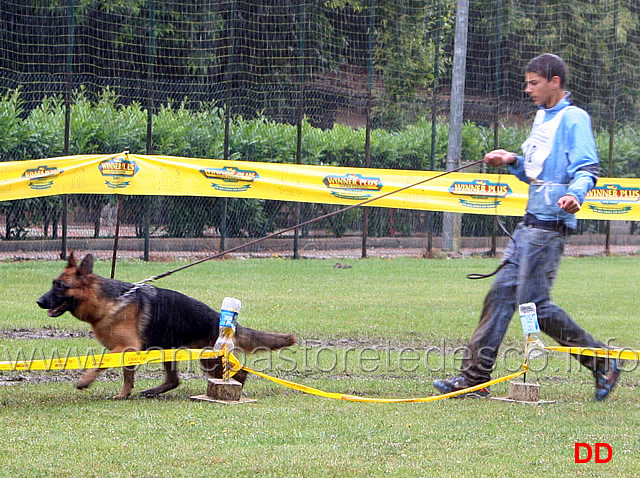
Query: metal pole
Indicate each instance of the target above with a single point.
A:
(227, 116)
(367, 139)
(67, 122)
(452, 222)
(150, 111)
(300, 118)
(612, 119)
(116, 237)
(434, 117)
(496, 119)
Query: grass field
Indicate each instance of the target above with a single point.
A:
(383, 328)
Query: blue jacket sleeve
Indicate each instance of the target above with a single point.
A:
(583, 168)
(517, 169)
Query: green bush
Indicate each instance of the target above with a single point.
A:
(15, 136)
(626, 156)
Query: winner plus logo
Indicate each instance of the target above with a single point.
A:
(117, 171)
(612, 199)
(41, 177)
(230, 179)
(480, 193)
(352, 186)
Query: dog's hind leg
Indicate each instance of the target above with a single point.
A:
(171, 381)
(212, 367)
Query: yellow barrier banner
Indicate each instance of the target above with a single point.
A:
(133, 174)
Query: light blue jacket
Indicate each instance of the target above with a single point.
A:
(571, 168)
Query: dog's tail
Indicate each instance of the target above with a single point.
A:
(251, 340)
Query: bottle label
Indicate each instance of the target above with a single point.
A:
(529, 319)
(228, 319)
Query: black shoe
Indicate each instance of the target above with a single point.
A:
(605, 381)
(460, 383)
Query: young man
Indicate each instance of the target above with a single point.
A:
(560, 164)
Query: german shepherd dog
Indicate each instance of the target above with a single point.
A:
(149, 317)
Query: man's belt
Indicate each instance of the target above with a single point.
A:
(556, 226)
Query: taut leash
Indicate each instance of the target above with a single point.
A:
(302, 224)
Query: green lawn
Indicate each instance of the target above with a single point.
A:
(384, 328)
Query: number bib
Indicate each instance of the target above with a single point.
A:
(537, 147)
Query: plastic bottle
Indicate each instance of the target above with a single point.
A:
(226, 328)
(531, 329)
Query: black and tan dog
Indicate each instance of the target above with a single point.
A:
(149, 317)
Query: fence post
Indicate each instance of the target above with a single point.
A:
(150, 111)
(227, 115)
(300, 118)
(496, 120)
(67, 121)
(612, 118)
(434, 118)
(452, 222)
(367, 139)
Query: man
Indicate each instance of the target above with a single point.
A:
(560, 164)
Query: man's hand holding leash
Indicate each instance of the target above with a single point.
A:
(498, 157)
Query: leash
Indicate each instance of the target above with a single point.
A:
(477, 275)
(138, 284)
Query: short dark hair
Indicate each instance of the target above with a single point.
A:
(548, 66)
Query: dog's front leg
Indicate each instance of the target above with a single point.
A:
(128, 373)
(129, 379)
(88, 377)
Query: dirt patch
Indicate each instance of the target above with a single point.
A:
(45, 333)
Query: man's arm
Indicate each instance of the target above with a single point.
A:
(584, 166)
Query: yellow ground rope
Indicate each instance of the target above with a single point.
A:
(623, 354)
(355, 398)
(110, 360)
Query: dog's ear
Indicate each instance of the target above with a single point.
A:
(86, 266)
(71, 260)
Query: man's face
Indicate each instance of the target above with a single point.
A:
(542, 91)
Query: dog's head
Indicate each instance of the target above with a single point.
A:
(68, 289)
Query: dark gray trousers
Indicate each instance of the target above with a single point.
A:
(532, 262)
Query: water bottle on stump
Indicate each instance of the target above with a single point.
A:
(226, 328)
(531, 329)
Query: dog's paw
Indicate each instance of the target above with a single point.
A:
(120, 397)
